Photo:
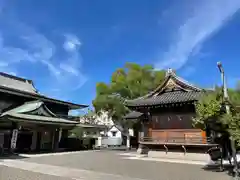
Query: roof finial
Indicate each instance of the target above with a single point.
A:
(170, 72)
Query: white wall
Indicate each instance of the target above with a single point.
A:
(114, 129)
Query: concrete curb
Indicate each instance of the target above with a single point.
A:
(55, 154)
(179, 161)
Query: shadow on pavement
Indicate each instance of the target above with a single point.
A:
(11, 156)
(117, 148)
(216, 168)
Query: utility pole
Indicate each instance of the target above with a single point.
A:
(226, 100)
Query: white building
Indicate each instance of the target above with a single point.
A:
(117, 136)
(118, 131)
(114, 134)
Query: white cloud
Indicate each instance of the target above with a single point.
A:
(37, 49)
(71, 42)
(206, 18)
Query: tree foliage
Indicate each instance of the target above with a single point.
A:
(76, 132)
(129, 82)
(210, 108)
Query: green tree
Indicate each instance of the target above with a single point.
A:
(210, 107)
(129, 82)
(238, 86)
(76, 132)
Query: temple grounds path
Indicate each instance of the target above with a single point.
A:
(101, 165)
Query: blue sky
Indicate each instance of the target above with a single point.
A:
(66, 47)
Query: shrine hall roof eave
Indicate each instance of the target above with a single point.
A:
(133, 115)
(91, 126)
(37, 96)
(166, 98)
(38, 119)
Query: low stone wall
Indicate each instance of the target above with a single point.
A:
(179, 155)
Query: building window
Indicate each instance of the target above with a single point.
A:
(114, 133)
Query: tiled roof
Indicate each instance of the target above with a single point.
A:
(133, 115)
(40, 119)
(166, 98)
(17, 83)
(30, 107)
(24, 87)
(23, 113)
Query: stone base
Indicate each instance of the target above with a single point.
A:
(177, 155)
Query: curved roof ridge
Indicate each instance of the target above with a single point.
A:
(169, 74)
(30, 106)
(187, 82)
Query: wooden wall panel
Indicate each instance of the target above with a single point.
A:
(172, 121)
(187, 135)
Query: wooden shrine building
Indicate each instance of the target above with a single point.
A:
(30, 121)
(166, 113)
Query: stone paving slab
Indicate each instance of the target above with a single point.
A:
(9, 173)
(177, 155)
(70, 173)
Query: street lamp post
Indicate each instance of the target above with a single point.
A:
(226, 98)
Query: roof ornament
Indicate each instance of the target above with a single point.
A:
(170, 72)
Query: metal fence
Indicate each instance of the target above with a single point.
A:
(176, 140)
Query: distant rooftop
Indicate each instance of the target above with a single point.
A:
(17, 83)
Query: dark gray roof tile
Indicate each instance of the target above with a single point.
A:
(17, 83)
(166, 98)
(133, 115)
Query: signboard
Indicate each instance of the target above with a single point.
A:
(14, 138)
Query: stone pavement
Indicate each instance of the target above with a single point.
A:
(173, 157)
(102, 165)
(9, 173)
(179, 155)
(58, 171)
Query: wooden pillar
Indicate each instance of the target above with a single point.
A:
(56, 139)
(60, 134)
(64, 133)
(39, 137)
(53, 133)
(34, 141)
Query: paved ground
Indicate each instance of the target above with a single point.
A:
(9, 173)
(102, 165)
